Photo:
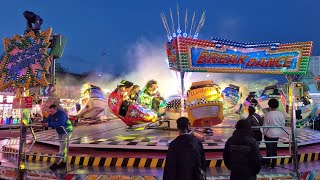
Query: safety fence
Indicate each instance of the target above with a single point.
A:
(7, 150)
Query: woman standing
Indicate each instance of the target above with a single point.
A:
(255, 120)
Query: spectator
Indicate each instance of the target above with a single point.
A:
(58, 119)
(185, 157)
(255, 120)
(242, 154)
(272, 118)
(316, 122)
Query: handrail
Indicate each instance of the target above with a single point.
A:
(35, 139)
(255, 127)
(289, 136)
(258, 127)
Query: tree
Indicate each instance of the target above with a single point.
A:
(60, 68)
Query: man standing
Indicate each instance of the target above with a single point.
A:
(58, 119)
(242, 154)
(272, 118)
(185, 157)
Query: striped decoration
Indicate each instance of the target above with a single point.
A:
(133, 162)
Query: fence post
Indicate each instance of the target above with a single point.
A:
(22, 150)
(294, 150)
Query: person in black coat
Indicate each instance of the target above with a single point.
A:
(33, 18)
(242, 154)
(255, 120)
(185, 157)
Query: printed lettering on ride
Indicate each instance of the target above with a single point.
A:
(205, 90)
(262, 59)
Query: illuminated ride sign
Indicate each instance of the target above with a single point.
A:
(25, 62)
(222, 56)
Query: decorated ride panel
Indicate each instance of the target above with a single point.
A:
(304, 104)
(224, 56)
(135, 113)
(91, 104)
(25, 61)
(276, 93)
(231, 99)
(114, 102)
(231, 94)
(317, 82)
(204, 104)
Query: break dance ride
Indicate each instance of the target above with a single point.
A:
(204, 104)
(231, 99)
(91, 103)
(131, 113)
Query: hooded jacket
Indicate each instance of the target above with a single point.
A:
(58, 119)
(242, 155)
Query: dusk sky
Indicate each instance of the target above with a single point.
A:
(103, 33)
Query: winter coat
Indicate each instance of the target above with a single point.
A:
(185, 159)
(256, 120)
(242, 156)
(58, 119)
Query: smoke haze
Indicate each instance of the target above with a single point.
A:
(147, 60)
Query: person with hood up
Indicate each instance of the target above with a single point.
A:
(242, 154)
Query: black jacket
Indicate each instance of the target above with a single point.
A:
(185, 159)
(242, 155)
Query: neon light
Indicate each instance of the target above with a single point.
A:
(262, 59)
(25, 62)
(224, 56)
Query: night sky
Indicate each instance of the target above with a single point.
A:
(102, 34)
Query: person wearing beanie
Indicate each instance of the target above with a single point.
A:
(241, 154)
(272, 118)
(185, 157)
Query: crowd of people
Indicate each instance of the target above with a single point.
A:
(186, 158)
(242, 154)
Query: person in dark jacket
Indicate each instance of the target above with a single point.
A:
(33, 18)
(58, 119)
(185, 157)
(255, 120)
(242, 154)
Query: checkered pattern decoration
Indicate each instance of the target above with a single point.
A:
(174, 104)
(200, 101)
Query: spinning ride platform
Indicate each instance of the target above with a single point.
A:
(114, 135)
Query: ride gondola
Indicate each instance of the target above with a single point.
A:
(131, 113)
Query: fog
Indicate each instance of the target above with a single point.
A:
(147, 60)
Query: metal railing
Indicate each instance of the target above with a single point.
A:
(34, 139)
(289, 140)
(255, 127)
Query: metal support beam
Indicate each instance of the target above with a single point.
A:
(53, 72)
(182, 94)
(22, 150)
(294, 149)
